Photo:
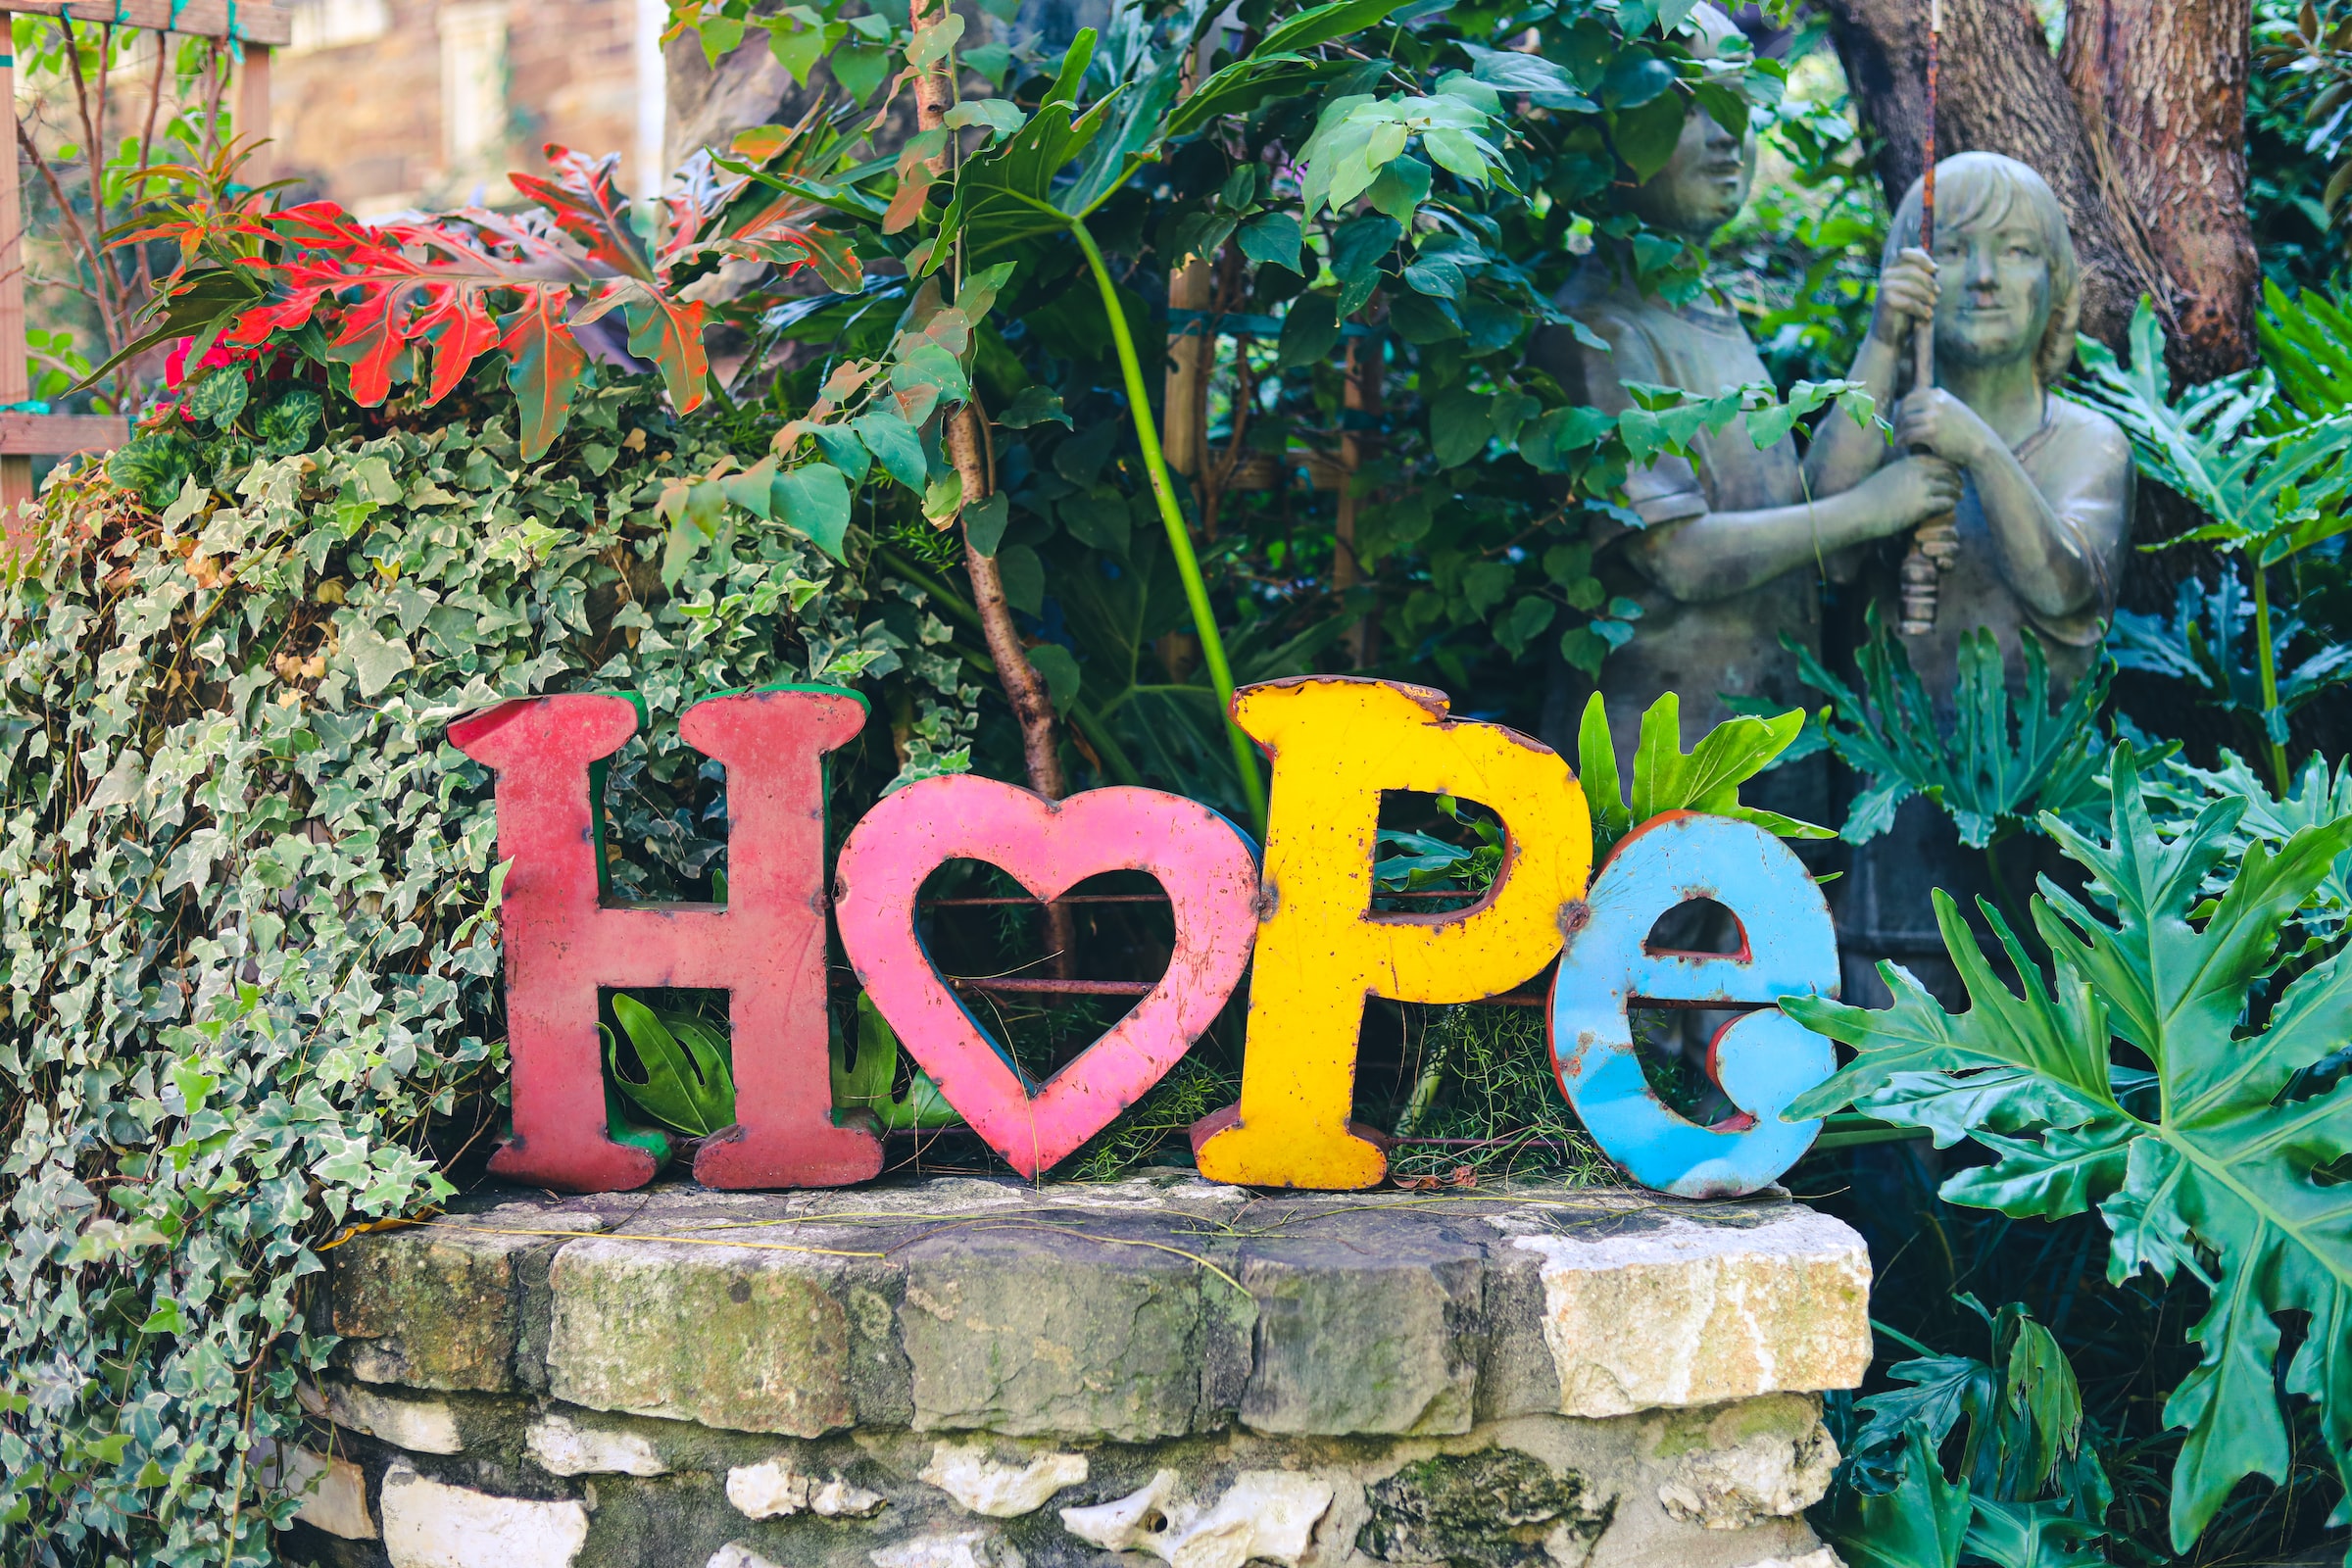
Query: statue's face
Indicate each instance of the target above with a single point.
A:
(1704, 185)
(1994, 305)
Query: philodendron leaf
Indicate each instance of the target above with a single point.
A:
(1665, 779)
(2229, 1171)
(1920, 1524)
(687, 1083)
(2031, 1535)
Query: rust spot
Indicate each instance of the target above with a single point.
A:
(1575, 915)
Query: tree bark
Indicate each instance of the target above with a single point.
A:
(2139, 132)
(1024, 689)
(2164, 81)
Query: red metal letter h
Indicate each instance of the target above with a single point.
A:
(766, 945)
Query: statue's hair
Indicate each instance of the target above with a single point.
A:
(1985, 187)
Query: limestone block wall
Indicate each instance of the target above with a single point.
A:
(958, 1373)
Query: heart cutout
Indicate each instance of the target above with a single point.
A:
(1207, 865)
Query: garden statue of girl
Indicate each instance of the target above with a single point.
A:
(2039, 537)
(1731, 543)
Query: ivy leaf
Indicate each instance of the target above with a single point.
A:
(815, 500)
(376, 660)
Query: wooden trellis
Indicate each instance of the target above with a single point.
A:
(26, 433)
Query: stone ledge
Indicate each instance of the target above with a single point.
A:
(1140, 1311)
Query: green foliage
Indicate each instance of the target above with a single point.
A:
(868, 1082)
(2270, 476)
(1920, 1524)
(2023, 1419)
(1993, 772)
(2180, 793)
(2031, 1492)
(2204, 1165)
(1665, 778)
(249, 888)
(685, 1079)
(2209, 643)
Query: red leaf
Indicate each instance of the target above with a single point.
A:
(586, 201)
(545, 363)
(669, 332)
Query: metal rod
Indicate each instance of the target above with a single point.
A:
(1152, 898)
(1919, 571)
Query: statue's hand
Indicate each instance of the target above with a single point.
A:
(1932, 420)
(1907, 492)
(1906, 297)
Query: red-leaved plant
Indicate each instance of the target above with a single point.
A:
(421, 299)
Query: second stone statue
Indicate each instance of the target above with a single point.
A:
(1734, 540)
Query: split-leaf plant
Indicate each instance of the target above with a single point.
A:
(2269, 472)
(2161, 1073)
(2028, 1491)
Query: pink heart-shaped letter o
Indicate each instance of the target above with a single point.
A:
(1203, 861)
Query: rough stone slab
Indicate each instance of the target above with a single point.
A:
(1681, 1313)
(333, 1493)
(1035, 1331)
(1366, 1323)
(430, 1525)
(563, 1446)
(727, 1336)
(426, 1308)
(420, 1426)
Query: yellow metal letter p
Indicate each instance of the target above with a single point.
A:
(1337, 744)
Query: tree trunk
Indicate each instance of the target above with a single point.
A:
(2139, 132)
(2165, 82)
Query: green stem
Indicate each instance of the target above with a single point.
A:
(1180, 538)
(2267, 660)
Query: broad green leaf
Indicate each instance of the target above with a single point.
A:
(1311, 329)
(894, 445)
(815, 499)
(1665, 779)
(2031, 1535)
(686, 1083)
(1272, 239)
(842, 450)
(1919, 1525)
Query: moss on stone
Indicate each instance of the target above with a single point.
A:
(1489, 1509)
